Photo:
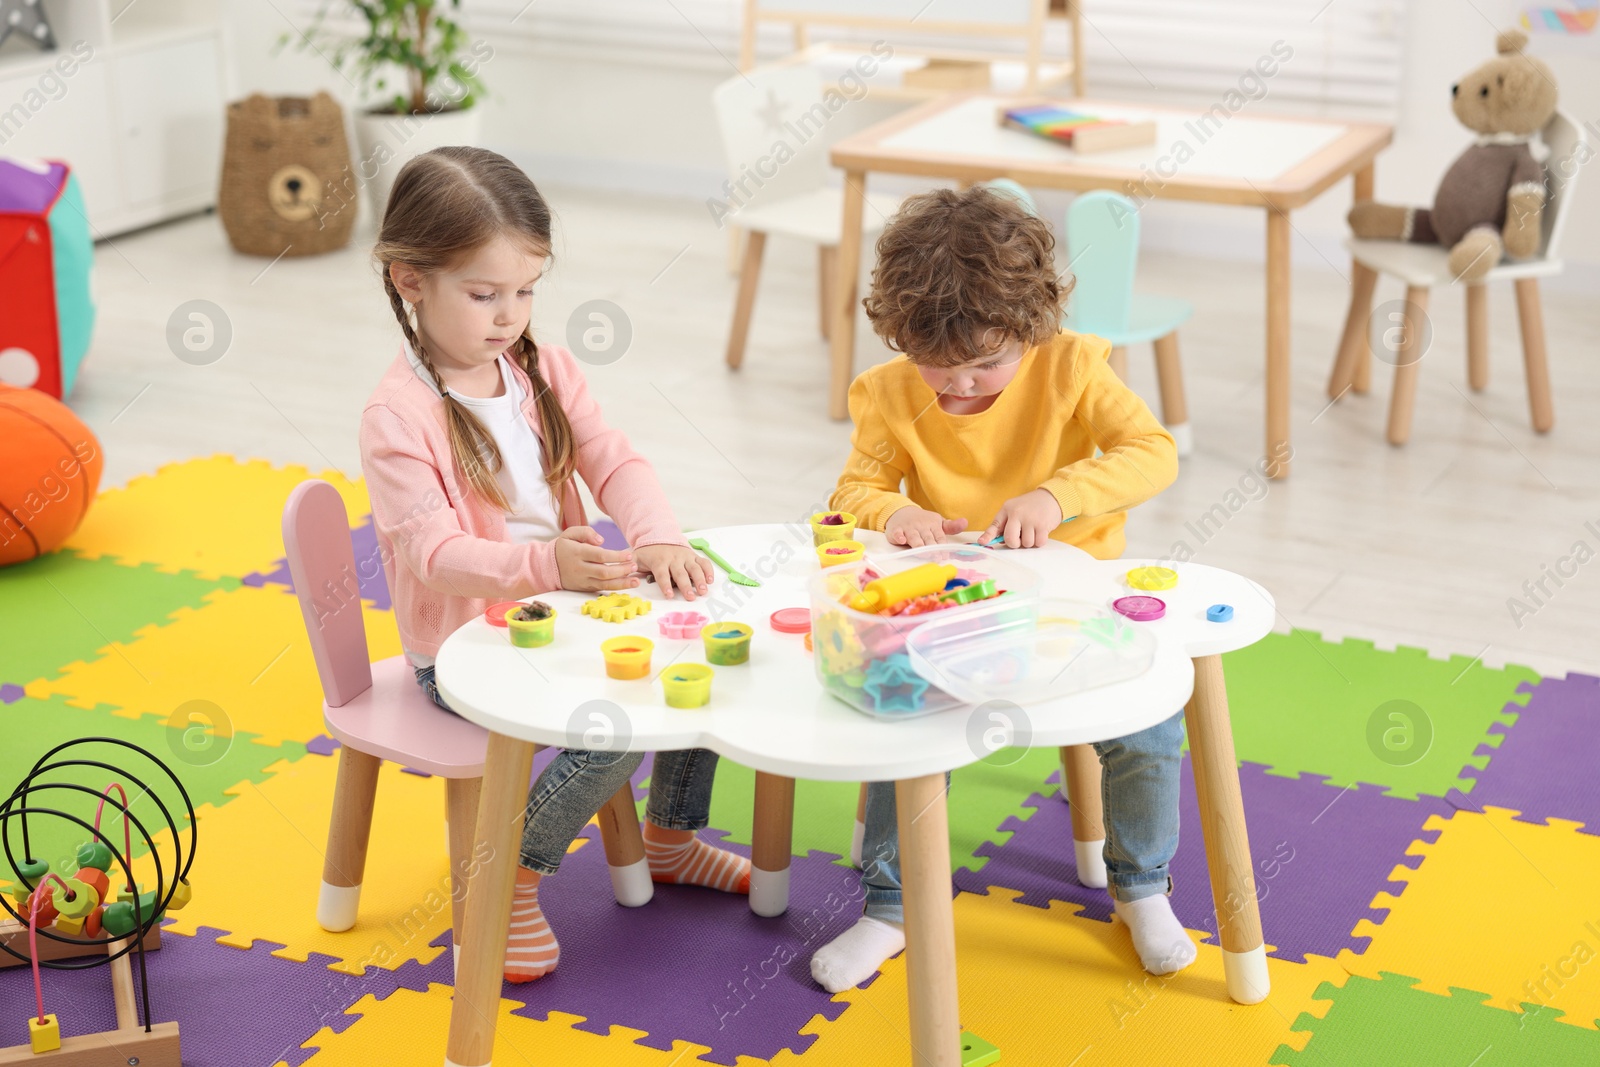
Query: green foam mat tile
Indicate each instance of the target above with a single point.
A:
(1386, 1022)
(982, 796)
(1348, 711)
(62, 607)
(206, 764)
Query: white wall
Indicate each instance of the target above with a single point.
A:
(642, 122)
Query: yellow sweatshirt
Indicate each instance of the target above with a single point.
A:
(1040, 432)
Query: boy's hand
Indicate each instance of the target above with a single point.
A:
(914, 527)
(1026, 521)
(586, 567)
(675, 566)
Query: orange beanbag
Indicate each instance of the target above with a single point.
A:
(50, 472)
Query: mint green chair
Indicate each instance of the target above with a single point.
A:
(1103, 251)
(1015, 191)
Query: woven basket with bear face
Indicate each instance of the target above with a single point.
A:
(287, 184)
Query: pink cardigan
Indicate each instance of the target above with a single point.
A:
(443, 547)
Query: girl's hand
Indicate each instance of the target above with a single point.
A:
(914, 527)
(1026, 521)
(675, 566)
(586, 567)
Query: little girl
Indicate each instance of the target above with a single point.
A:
(470, 445)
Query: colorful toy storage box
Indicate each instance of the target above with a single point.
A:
(46, 311)
(861, 656)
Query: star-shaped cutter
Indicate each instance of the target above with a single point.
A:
(905, 687)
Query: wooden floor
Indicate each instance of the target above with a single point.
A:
(1421, 545)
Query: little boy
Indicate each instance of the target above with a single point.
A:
(991, 418)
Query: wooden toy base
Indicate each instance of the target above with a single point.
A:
(15, 936)
(113, 1048)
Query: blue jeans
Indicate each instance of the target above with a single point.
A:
(1139, 791)
(577, 782)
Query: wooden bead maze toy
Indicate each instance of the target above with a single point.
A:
(86, 909)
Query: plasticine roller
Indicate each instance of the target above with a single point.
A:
(892, 589)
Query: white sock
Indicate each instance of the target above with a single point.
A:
(853, 956)
(1160, 939)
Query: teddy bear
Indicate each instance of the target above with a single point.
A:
(1490, 201)
(287, 186)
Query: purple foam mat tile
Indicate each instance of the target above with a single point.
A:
(413, 770)
(693, 965)
(1321, 855)
(1543, 766)
(10, 694)
(370, 579)
(369, 565)
(322, 745)
(234, 1007)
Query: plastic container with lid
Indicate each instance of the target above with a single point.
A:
(861, 657)
(1056, 648)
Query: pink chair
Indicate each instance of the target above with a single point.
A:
(376, 710)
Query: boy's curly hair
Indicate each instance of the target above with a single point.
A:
(954, 265)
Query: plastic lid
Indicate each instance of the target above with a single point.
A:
(496, 613)
(1220, 612)
(792, 620)
(1030, 651)
(1141, 608)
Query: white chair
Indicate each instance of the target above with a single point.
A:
(1423, 266)
(775, 134)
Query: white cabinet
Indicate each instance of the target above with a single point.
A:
(132, 100)
(169, 114)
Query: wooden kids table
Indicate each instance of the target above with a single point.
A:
(1274, 163)
(773, 715)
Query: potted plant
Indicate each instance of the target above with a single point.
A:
(418, 65)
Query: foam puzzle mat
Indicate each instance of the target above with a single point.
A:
(1426, 882)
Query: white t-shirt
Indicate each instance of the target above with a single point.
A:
(531, 513)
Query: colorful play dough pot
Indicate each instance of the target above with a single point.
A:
(532, 632)
(832, 526)
(833, 553)
(627, 657)
(688, 685)
(727, 643)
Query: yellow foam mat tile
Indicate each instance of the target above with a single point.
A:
(409, 1029)
(1048, 987)
(244, 652)
(216, 516)
(258, 868)
(1505, 908)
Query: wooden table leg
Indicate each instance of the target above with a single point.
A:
(501, 809)
(858, 835)
(930, 922)
(847, 267)
(1364, 181)
(1355, 344)
(1080, 784)
(1277, 344)
(771, 842)
(1233, 884)
(631, 883)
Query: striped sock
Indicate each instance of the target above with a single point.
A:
(678, 857)
(531, 949)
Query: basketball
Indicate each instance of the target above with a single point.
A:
(50, 472)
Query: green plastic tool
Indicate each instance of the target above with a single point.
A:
(699, 545)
